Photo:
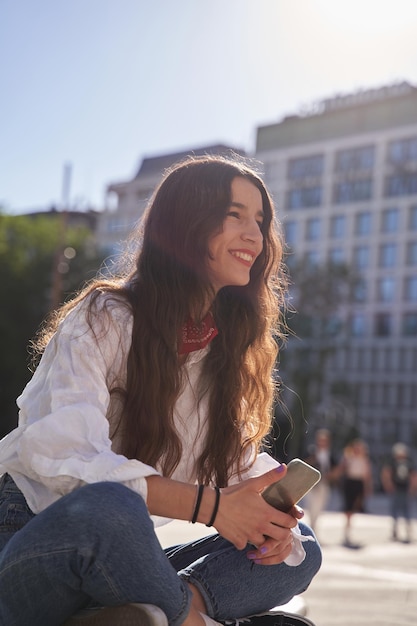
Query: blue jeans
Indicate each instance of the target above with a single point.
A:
(97, 545)
(400, 504)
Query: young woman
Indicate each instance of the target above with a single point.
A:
(356, 472)
(151, 400)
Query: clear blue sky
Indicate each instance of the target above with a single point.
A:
(103, 83)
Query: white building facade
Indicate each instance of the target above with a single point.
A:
(344, 180)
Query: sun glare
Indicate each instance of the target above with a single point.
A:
(368, 17)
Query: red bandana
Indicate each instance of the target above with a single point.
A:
(195, 336)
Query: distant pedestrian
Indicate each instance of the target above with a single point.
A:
(356, 471)
(399, 479)
(321, 457)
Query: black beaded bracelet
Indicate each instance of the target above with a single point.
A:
(216, 507)
(197, 504)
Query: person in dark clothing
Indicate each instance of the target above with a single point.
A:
(399, 479)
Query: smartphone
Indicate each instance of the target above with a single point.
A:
(299, 480)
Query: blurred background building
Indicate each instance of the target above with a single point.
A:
(344, 179)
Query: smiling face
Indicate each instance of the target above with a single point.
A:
(233, 250)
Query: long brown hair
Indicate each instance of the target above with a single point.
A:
(169, 282)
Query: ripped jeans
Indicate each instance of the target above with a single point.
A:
(97, 546)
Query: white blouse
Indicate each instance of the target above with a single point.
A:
(66, 414)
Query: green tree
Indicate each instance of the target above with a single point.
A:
(28, 258)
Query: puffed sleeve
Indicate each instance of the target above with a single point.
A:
(255, 464)
(62, 440)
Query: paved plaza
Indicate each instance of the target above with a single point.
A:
(373, 585)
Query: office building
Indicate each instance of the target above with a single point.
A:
(344, 180)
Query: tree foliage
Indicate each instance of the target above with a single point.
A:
(28, 255)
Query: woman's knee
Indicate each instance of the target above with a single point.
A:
(106, 502)
(93, 512)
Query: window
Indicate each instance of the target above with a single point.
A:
(410, 288)
(413, 217)
(362, 392)
(363, 223)
(312, 258)
(338, 226)
(291, 232)
(389, 395)
(336, 256)
(313, 229)
(305, 166)
(412, 253)
(304, 197)
(402, 150)
(361, 257)
(355, 159)
(404, 184)
(359, 291)
(409, 325)
(387, 255)
(334, 326)
(376, 359)
(386, 289)
(406, 396)
(291, 261)
(383, 324)
(390, 221)
(357, 324)
(354, 359)
(353, 191)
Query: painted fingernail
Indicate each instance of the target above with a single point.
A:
(251, 555)
(280, 469)
(263, 550)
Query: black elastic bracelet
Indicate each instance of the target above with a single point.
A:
(216, 507)
(197, 504)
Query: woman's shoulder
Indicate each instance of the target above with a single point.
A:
(98, 311)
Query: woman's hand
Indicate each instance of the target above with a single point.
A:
(244, 517)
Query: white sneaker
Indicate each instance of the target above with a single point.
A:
(126, 615)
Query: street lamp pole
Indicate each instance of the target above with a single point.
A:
(56, 296)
